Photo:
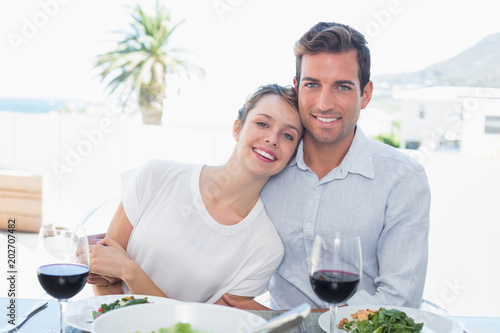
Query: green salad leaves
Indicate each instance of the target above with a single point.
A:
(178, 328)
(383, 321)
(125, 301)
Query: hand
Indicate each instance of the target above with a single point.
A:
(102, 280)
(243, 303)
(108, 259)
(93, 239)
(96, 279)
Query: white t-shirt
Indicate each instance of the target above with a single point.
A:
(185, 252)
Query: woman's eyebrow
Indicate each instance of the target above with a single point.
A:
(272, 118)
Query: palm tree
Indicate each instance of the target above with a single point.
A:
(141, 61)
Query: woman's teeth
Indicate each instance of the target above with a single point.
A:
(263, 153)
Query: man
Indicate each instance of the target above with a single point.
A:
(342, 180)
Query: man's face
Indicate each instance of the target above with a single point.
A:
(330, 99)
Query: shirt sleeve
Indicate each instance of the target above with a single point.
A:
(402, 249)
(258, 279)
(137, 191)
(252, 280)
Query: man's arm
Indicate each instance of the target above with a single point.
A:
(402, 249)
(245, 304)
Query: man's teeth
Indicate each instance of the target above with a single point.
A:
(326, 120)
(263, 153)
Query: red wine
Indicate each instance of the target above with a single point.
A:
(334, 286)
(63, 281)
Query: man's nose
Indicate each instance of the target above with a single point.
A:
(326, 100)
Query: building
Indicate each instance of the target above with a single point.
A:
(464, 118)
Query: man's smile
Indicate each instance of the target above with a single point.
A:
(326, 120)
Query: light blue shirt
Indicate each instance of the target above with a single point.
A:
(377, 193)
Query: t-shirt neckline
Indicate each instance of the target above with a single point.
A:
(205, 215)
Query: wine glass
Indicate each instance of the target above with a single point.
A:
(64, 259)
(336, 269)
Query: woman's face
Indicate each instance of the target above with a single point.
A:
(268, 138)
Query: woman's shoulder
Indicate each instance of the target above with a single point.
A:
(162, 167)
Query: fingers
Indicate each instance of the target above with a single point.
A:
(228, 300)
(102, 280)
(108, 241)
(93, 239)
(98, 280)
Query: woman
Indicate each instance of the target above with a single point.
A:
(194, 232)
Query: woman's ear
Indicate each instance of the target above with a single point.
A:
(236, 130)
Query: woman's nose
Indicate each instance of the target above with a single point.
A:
(272, 139)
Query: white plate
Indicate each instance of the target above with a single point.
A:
(432, 322)
(151, 317)
(79, 313)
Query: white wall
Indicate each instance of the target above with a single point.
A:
(441, 118)
(475, 141)
(82, 156)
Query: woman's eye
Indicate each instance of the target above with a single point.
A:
(288, 136)
(261, 124)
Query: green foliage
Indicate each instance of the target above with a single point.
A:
(143, 58)
(391, 138)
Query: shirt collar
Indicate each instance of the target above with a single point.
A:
(359, 158)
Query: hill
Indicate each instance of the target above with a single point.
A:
(476, 66)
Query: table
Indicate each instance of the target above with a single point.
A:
(47, 321)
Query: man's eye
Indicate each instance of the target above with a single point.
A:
(288, 136)
(311, 85)
(344, 87)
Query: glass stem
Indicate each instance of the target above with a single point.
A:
(333, 317)
(62, 312)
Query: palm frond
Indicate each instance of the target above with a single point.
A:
(144, 56)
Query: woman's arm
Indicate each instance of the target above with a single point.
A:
(120, 229)
(110, 259)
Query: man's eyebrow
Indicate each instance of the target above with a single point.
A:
(345, 82)
(338, 82)
(308, 78)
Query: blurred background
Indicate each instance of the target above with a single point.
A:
(67, 139)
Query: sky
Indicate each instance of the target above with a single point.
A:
(48, 47)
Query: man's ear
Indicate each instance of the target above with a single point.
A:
(295, 84)
(367, 94)
(236, 130)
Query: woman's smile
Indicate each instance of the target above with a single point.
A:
(265, 154)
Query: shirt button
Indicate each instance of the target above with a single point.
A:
(308, 226)
(316, 188)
